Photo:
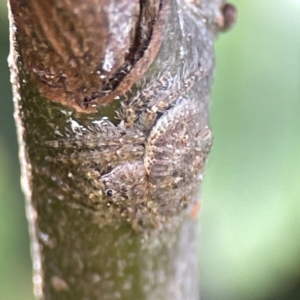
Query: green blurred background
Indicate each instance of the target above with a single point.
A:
(249, 229)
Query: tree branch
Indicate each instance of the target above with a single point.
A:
(97, 231)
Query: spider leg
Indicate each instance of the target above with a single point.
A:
(102, 143)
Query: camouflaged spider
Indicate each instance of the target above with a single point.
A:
(154, 157)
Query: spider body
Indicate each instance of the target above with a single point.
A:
(149, 165)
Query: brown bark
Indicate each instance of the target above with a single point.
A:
(77, 60)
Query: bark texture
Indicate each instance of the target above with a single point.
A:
(74, 61)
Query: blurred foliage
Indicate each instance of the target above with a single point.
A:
(250, 221)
